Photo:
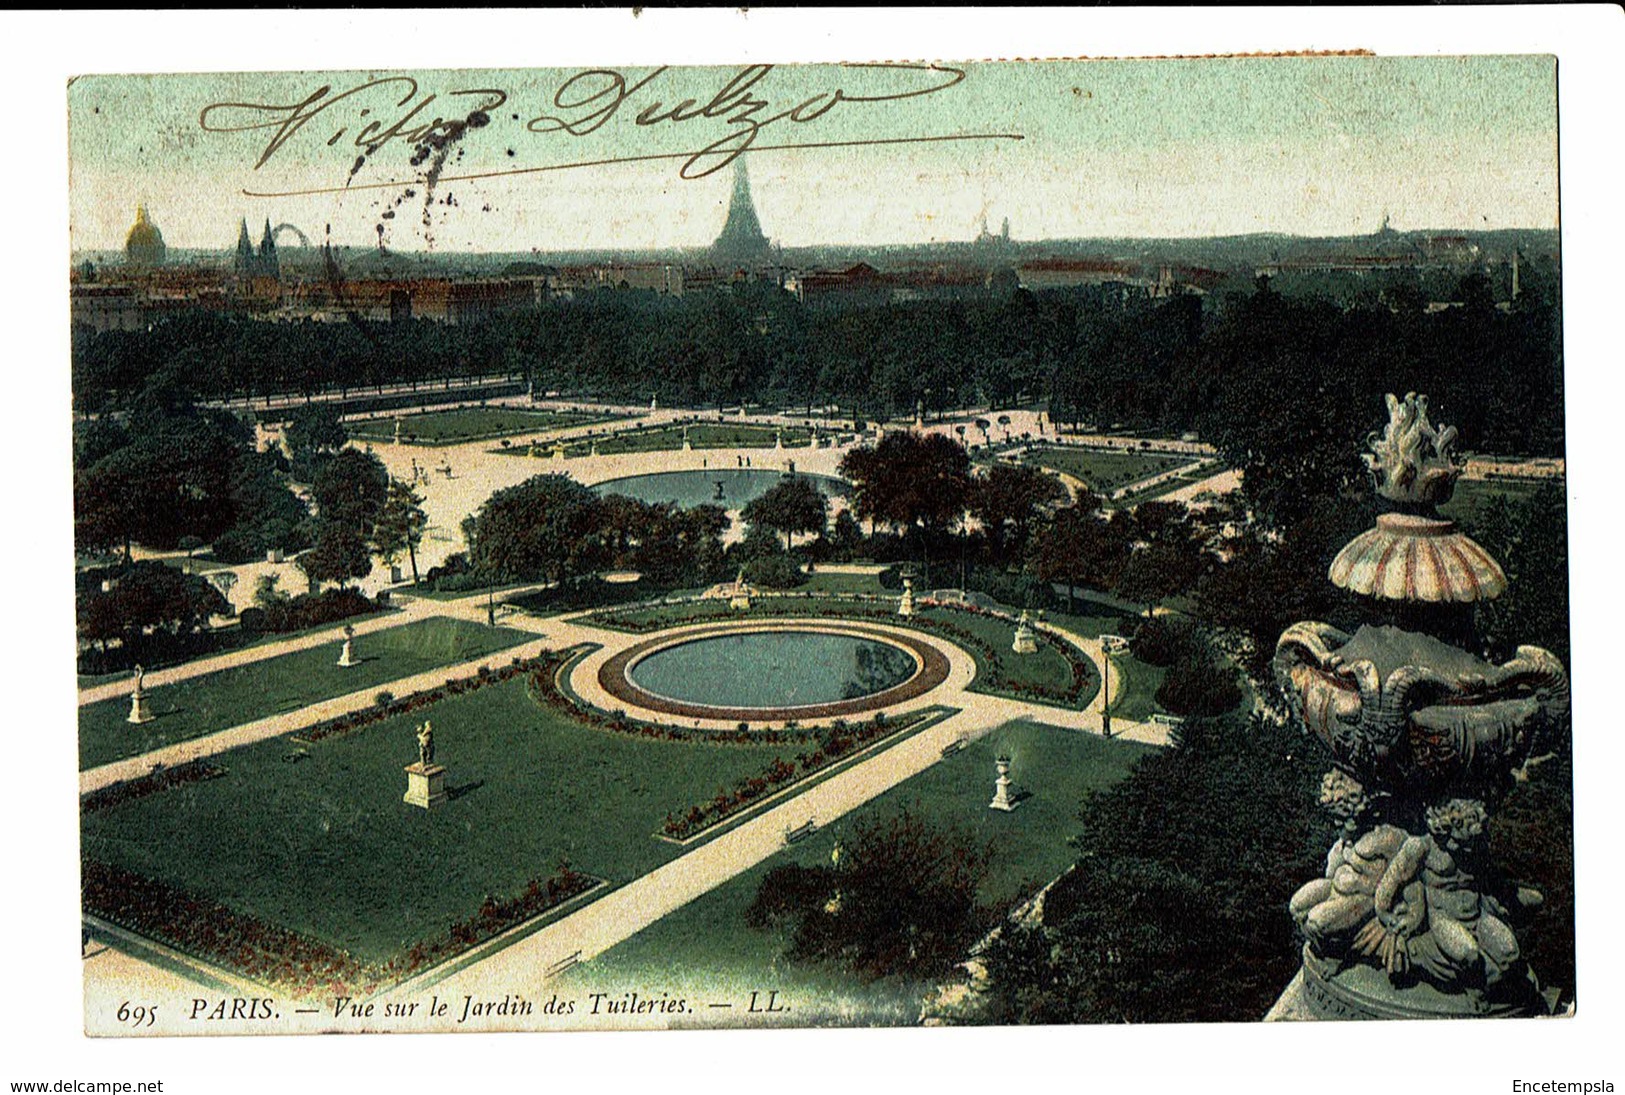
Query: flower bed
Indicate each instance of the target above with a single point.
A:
(128, 790)
(288, 961)
(836, 743)
(456, 686)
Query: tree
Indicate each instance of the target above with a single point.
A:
(267, 594)
(339, 554)
(909, 480)
(545, 528)
(143, 601)
(107, 509)
(675, 545)
(268, 513)
(401, 525)
(350, 490)
(1008, 499)
(314, 432)
(788, 507)
(901, 899)
(1165, 556)
(1078, 547)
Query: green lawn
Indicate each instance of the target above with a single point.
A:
(1138, 683)
(451, 427)
(701, 435)
(326, 847)
(1106, 470)
(705, 951)
(217, 701)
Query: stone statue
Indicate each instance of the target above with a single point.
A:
(139, 674)
(426, 744)
(1411, 919)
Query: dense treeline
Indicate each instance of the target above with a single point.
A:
(1224, 365)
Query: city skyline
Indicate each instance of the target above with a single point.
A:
(1296, 146)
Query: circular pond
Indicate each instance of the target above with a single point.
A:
(772, 669)
(729, 488)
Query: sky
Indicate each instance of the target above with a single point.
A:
(1064, 149)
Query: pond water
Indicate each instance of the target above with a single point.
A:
(773, 669)
(737, 486)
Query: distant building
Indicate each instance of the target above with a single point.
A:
(251, 264)
(742, 243)
(661, 277)
(108, 308)
(144, 246)
(857, 284)
(476, 301)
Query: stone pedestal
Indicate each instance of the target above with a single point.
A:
(1001, 790)
(425, 785)
(905, 607)
(740, 601)
(140, 711)
(1024, 642)
(347, 655)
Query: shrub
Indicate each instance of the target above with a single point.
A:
(1199, 687)
(384, 698)
(774, 572)
(313, 610)
(1161, 641)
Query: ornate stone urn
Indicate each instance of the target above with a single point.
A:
(1411, 919)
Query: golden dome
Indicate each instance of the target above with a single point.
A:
(144, 246)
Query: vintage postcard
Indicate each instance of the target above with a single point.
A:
(937, 543)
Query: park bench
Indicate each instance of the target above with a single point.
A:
(802, 832)
(961, 742)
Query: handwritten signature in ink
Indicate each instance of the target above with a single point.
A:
(374, 114)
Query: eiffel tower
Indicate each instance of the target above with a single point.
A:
(741, 242)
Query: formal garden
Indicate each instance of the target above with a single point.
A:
(217, 701)
(743, 935)
(462, 424)
(358, 891)
(1105, 470)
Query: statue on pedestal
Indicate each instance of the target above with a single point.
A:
(425, 780)
(139, 710)
(1411, 918)
(1001, 787)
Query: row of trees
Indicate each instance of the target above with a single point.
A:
(1220, 364)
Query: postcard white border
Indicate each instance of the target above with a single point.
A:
(40, 1003)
